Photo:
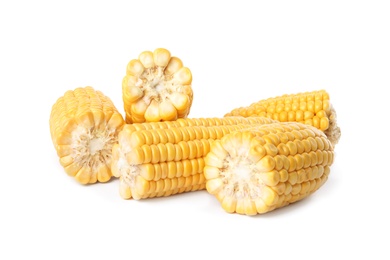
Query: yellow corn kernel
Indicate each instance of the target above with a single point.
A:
(312, 108)
(84, 126)
(274, 180)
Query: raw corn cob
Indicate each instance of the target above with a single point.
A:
(157, 87)
(311, 108)
(164, 158)
(84, 125)
(257, 170)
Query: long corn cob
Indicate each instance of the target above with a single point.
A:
(267, 167)
(156, 88)
(164, 158)
(84, 125)
(311, 108)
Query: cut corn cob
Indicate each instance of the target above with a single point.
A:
(157, 87)
(257, 170)
(311, 108)
(165, 158)
(84, 125)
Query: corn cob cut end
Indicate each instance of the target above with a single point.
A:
(84, 125)
(257, 170)
(157, 87)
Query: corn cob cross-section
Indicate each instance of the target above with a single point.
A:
(311, 108)
(260, 169)
(84, 125)
(164, 158)
(157, 87)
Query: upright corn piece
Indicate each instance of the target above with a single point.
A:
(84, 125)
(257, 170)
(311, 108)
(165, 158)
(157, 87)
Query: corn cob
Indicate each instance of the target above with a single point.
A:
(311, 108)
(260, 169)
(84, 125)
(164, 158)
(157, 87)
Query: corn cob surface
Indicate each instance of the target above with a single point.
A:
(311, 108)
(84, 125)
(157, 87)
(257, 170)
(165, 158)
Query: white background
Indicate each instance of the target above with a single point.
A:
(239, 52)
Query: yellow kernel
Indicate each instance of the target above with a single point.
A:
(296, 188)
(266, 164)
(291, 116)
(300, 146)
(306, 160)
(303, 106)
(316, 122)
(292, 163)
(310, 106)
(326, 106)
(324, 123)
(295, 106)
(271, 149)
(299, 115)
(283, 116)
(270, 178)
(313, 158)
(293, 177)
(278, 162)
(321, 114)
(299, 161)
(308, 115)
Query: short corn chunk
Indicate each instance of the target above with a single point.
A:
(84, 125)
(311, 108)
(157, 87)
(257, 170)
(165, 158)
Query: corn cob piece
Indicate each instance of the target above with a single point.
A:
(311, 108)
(157, 87)
(84, 125)
(165, 158)
(257, 170)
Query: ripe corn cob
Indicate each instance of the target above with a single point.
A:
(84, 125)
(164, 158)
(260, 169)
(311, 108)
(156, 88)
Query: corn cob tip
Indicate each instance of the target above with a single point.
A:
(333, 132)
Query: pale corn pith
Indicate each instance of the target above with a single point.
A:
(84, 125)
(311, 108)
(157, 87)
(164, 158)
(257, 170)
